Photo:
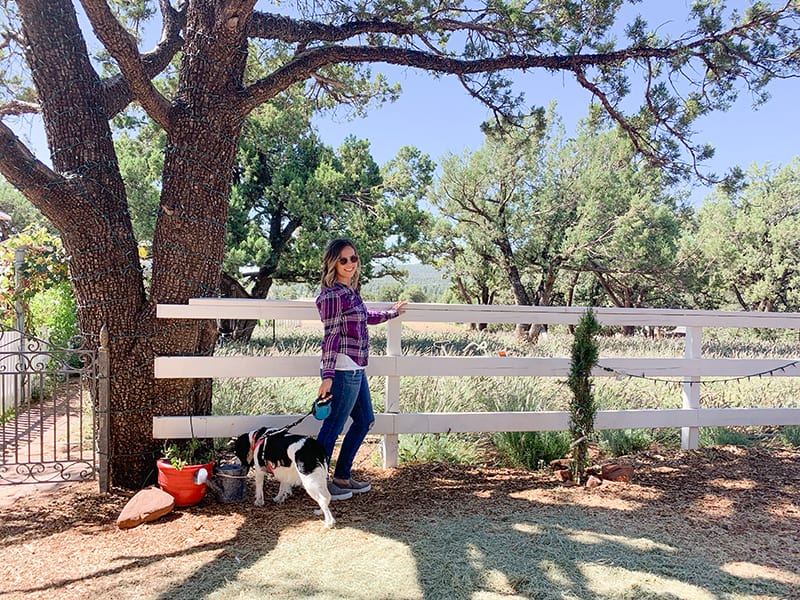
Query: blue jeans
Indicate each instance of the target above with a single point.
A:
(351, 398)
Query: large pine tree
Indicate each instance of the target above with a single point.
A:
(207, 44)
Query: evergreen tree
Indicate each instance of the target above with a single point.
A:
(582, 407)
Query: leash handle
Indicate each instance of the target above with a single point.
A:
(321, 407)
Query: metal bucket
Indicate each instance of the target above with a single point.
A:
(229, 483)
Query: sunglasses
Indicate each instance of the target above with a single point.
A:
(343, 260)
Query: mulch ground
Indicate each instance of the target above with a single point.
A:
(56, 543)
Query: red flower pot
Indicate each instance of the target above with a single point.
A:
(179, 483)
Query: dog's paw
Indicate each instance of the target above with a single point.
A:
(259, 502)
(279, 499)
(329, 522)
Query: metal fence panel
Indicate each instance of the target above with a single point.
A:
(47, 408)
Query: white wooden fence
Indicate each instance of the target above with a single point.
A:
(394, 365)
(10, 380)
(18, 358)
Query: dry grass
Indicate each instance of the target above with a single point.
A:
(717, 523)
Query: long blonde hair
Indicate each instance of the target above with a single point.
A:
(331, 257)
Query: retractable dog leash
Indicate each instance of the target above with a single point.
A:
(322, 407)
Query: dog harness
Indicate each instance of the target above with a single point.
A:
(255, 445)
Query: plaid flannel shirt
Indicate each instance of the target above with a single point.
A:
(345, 318)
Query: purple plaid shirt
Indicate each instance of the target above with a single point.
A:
(345, 318)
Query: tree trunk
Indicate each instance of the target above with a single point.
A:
(237, 330)
(521, 297)
(84, 197)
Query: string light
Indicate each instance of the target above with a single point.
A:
(621, 375)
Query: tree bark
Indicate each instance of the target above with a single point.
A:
(238, 330)
(84, 197)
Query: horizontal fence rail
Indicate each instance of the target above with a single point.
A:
(198, 367)
(688, 370)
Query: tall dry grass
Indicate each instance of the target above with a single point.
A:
(468, 394)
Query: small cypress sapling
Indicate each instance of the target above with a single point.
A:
(582, 406)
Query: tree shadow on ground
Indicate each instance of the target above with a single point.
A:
(701, 526)
(709, 524)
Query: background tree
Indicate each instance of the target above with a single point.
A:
(205, 47)
(628, 222)
(554, 213)
(20, 212)
(495, 201)
(141, 161)
(474, 277)
(291, 193)
(750, 238)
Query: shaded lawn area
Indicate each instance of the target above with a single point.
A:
(708, 524)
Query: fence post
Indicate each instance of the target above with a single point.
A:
(19, 324)
(391, 442)
(103, 415)
(690, 436)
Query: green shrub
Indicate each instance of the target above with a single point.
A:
(53, 310)
(440, 447)
(582, 407)
(721, 436)
(531, 449)
(188, 452)
(43, 267)
(53, 315)
(623, 442)
(791, 433)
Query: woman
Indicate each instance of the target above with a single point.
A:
(345, 349)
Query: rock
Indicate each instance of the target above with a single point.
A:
(563, 475)
(616, 472)
(595, 470)
(146, 505)
(560, 463)
(593, 481)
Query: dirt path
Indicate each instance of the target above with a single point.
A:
(46, 443)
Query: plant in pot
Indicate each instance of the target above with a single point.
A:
(184, 470)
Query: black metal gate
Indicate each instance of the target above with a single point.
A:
(48, 401)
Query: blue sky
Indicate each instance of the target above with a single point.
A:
(437, 116)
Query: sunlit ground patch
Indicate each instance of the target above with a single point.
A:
(784, 509)
(748, 570)
(324, 564)
(619, 582)
(609, 495)
(733, 484)
(639, 544)
(720, 506)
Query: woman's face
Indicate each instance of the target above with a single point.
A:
(346, 265)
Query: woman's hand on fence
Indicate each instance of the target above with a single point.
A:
(400, 307)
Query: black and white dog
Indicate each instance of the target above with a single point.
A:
(293, 460)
